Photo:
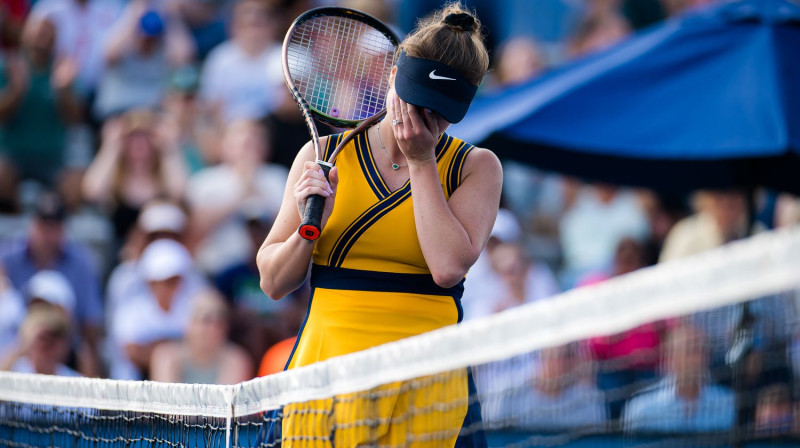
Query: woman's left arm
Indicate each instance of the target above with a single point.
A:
(451, 232)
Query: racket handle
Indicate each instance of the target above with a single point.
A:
(312, 216)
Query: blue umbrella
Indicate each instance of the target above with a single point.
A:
(705, 101)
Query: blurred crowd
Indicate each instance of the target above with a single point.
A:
(144, 150)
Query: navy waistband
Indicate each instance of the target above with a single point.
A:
(357, 280)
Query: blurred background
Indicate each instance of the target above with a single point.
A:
(144, 150)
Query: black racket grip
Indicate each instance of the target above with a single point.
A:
(312, 216)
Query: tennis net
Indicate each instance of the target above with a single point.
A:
(697, 352)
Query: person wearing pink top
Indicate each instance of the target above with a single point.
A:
(626, 361)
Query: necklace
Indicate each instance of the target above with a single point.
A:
(380, 140)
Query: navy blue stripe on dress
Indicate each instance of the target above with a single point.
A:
(329, 277)
(441, 146)
(448, 172)
(454, 171)
(368, 167)
(348, 239)
(330, 145)
(357, 228)
(300, 333)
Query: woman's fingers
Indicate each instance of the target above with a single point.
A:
(313, 181)
(430, 120)
(414, 117)
(314, 186)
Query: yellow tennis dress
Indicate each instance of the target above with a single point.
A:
(371, 285)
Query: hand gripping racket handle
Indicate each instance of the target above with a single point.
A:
(312, 215)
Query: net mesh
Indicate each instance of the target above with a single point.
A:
(340, 66)
(698, 352)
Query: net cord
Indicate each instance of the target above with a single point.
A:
(762, 265)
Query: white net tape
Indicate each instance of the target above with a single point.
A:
(765, 264)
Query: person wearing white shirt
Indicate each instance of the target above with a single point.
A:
(162, 313)
(592, 229)
(44, 342)
(220, 197)
(159, 219)
(504, 276)
(241, 76)
(82, 29)
(547, 391)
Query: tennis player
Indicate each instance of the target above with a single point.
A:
(408, 210)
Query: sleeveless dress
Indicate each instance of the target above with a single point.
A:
(371, 285)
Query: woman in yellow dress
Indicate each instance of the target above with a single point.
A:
(408, 210)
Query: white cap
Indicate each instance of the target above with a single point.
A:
(506, 227)
(162, 217)
(164, 259)
(52, 287)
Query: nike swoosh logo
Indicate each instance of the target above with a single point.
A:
(433, 75)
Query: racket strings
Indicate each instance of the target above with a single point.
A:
(340, 66)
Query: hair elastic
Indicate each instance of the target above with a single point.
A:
(460, 20)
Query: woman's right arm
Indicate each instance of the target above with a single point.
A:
(284, 258)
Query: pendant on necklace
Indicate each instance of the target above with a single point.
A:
(395, 166)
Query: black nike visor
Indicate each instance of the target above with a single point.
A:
(433, 85)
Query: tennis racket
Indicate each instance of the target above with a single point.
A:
(336, 62)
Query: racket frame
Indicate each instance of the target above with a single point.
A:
(310, 226)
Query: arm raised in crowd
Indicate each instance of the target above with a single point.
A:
(15, 81)
(99, 178)
(124, 35)
(62, 81)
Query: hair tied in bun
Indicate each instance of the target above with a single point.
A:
(461, 21)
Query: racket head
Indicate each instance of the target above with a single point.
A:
(336, 63)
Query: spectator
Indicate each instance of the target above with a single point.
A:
(204, 355)
(551, 392)
(198, 125)
(721, 217)
(144, 47)
(774, 411)
(293, 129)
(482, 282)
(242, 75)
(205, 21)
(258, 321)
(159, 220)
(138, 161)
(519, 60)
(598, 31)
(787, 211)
(161, 313)
(626, 361)
(592, 229)
(685, 400)
(12, 312)
(218, 195)
(46, 248)
(523, 280)
(82, 30)
(44, 343)
(36, 105)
